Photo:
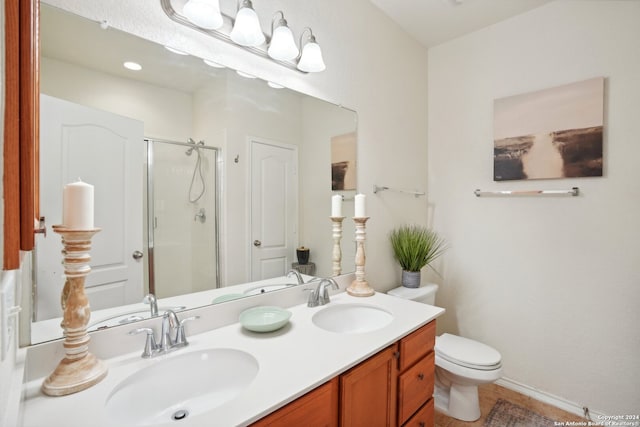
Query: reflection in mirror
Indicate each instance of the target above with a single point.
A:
(267, 151)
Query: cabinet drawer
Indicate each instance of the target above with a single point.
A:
(415, 387)
(416, 345)
(425, 417)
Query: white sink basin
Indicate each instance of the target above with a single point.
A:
(352, 318)
(181, 386)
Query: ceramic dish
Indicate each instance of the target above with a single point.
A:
(264, 318)
(226, 297)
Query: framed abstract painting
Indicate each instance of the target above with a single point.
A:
(550, 133)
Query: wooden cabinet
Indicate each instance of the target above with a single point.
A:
(392, 388)
(318, 408)
(367, 391)
(416, 375)
(21, 128)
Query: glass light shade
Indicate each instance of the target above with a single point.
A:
(204, 13)
(246, 30)
(311, 59)
(282, 46)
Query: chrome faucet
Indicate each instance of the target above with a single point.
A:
(297, 274)
(170, 323)
(320, 295)
(153, 304)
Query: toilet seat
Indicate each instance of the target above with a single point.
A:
(468, 353)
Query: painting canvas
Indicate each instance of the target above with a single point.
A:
(552, 133)
(343, 162)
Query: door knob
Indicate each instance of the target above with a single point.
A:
(257, 243)
(137, 255)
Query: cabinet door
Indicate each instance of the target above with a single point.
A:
(318, 408)
(368, 392)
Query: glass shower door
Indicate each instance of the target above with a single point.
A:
(182, 217)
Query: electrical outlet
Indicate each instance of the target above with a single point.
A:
(7, 318)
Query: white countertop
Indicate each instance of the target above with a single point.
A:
(292, 361)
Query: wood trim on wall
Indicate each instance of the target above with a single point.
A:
(21, 129)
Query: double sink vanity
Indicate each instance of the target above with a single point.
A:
(336, 363)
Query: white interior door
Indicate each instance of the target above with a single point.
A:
(107, 151)
(274, 205)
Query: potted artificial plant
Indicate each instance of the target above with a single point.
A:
(414, 247)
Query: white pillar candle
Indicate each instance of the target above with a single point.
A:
(336, 205)
(77, 206)
(360, 211)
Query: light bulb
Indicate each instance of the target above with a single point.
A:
(311, 59)
(204, 13)
(282, 46)
(246, 29)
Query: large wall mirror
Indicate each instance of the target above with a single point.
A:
(205, 179)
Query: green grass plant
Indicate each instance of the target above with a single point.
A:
(415, 246)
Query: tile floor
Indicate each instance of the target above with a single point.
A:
(490, 393)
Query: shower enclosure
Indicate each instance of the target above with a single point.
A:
(182, 220)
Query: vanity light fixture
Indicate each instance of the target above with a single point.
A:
(282, 46)
(311, 57)
(246, 28)
(204, 13)
(246, 32)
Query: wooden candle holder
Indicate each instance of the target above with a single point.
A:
(337, 250)
(79, 369)
(360, 287)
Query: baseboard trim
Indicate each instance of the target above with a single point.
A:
(548, 398)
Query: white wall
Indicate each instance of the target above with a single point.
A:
(552, 283)
(166, 113)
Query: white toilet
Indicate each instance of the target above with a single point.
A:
(461, 364)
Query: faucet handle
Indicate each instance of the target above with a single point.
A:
(181, 337)
(150, 343)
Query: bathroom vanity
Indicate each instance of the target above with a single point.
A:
(393, 387)
(369, 361)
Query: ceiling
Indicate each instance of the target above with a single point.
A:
(433, 22)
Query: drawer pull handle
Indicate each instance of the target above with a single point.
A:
(421, 376)
(422, 424)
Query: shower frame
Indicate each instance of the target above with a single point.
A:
(151, 206)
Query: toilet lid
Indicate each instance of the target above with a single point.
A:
(467, 352)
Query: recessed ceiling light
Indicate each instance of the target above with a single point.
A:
(134, 66)
(245, 75)
(213, 64)
(174, 50)
(275, 85)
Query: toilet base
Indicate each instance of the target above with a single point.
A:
(458, 401)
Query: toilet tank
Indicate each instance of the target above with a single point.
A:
(425, 294)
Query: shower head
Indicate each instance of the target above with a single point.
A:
(190, 149)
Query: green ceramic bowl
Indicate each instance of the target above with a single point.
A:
(226, 297)
(264, 318)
